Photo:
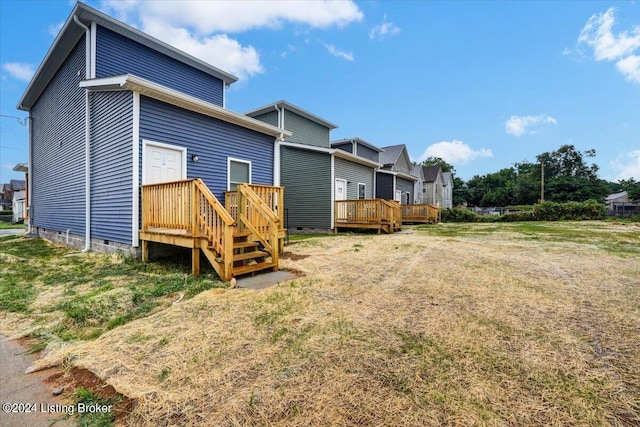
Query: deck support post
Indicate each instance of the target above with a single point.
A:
(145, 251)
(195, 262)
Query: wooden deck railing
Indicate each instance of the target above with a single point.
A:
(271, 195)
(189, 208)
(367, 211)
(257, 216)
(421, 213)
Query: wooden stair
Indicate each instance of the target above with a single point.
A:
(247, 257)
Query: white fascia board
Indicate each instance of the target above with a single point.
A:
(406, 176)
(357, 159)
(388, 172)
(188, 102)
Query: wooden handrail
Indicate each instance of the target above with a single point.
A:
(257, 216)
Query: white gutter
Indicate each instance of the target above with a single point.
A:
(276, 152)
(87, 140)
(30, 172)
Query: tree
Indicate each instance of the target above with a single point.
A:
(438, 161)
(569, 178)
(632, 187)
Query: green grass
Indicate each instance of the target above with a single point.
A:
(95, 419)
(598, 234)
(93, 292)
(10, 226)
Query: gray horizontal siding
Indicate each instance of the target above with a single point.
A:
(111, 165)
(58, 135)
(211, 139)
(347, 146)
(405, 186)
(306, 176)
(116, 55)
(305, 131)
(367, 153)
(384, 186)
(354, 173)
(270, 118)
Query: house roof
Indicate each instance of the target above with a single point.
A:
(616, 195)
(291, 107)
(174, 97)
(417, 171)
(390, 154)
(359, 141)
(334, 151)
(18, 184)
(431, 173)
(21, 167)
(71, 33)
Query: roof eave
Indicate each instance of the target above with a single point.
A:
(294, 108)
(171, 96)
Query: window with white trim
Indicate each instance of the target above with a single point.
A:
(239, 171)
(362, 191)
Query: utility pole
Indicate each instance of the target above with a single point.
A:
(542, 182)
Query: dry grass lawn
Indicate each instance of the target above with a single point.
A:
(482, 324)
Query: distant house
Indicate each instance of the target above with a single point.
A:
(447, 190)
(433, 185)
(314, 171)
(136, 111)
(19, 205)
(8, 190)
(621, 197)
(394, 180)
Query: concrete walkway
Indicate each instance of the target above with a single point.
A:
(11, 231)
(16, 387)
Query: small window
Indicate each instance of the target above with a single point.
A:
(239, 172)
(408, 198)
(362, 189)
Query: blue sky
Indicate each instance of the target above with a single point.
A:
(481, 84)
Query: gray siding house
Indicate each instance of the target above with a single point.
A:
(111, 108)
(394, 180)
(314, 171)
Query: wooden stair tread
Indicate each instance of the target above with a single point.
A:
(237, 271)
(239, 245)
(242, 233)
(250, 255)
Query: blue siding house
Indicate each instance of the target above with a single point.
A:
(111, 109)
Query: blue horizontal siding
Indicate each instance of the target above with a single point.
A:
(111, 165)
(58, 135)
(211, 139)
(116, 55)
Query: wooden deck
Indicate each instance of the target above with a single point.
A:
(421, 213)
(186, 213)
(379, 214)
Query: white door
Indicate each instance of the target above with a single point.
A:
(163, 164)
(398, 196)
(341, 189)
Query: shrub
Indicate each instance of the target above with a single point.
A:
(458, 215)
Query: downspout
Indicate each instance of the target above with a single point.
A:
(30, 174)
(87, 170)
(276, 150)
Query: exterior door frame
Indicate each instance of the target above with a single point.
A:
(146, 143)
(345, 188)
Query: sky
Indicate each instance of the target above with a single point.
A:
(481, 84)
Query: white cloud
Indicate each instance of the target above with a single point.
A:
(338, 52)
(630, 68)
(455, 152)
(200, 28)
(237, 16)
(383, 30)
(627, 165)
(19, 70)
(290, 49)
(517, 125)
(54, 29)
(607, 46)
(219, 50)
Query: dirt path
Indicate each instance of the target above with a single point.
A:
(16, 387)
